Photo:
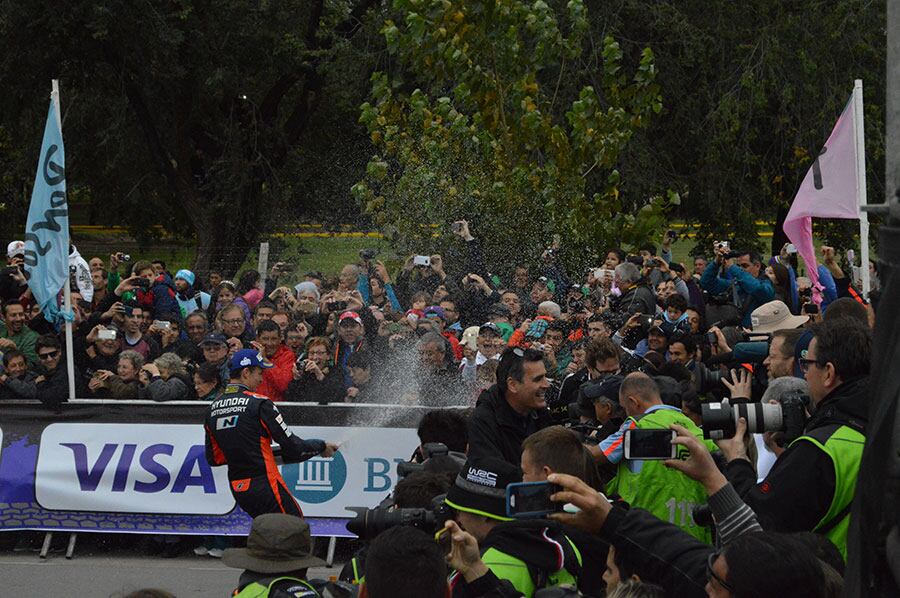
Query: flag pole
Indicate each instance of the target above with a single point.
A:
(861, 186)
(67, 290)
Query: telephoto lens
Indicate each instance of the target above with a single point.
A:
(720, 419)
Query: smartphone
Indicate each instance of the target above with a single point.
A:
(162, 324)
(646, 321)
(531, 500)
(648, 444)
(712, 339)
(456, 227)
(443, 539)
(811, 308)
(851, 257)
(106, 335)
(790, 248)
(422, 260)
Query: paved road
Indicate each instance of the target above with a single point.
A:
(116, 571)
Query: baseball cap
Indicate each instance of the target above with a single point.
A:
(537, 328)
(435, 310)
(480, 488)
(350, 315)
(213, 338)
(247, 358)
(15, 248)
(491, 327)
(186, 275)
(773, 316)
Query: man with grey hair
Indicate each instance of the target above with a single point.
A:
(770, 445)
(549, 308)
(635, 298)
(437, 376)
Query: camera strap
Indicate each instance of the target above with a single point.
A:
(832, 523)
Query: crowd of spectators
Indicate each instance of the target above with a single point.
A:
(556, 370)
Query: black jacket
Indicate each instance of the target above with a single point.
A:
(495, 430)
(799, 489)
(537, 542)
(309, 389)
(639, 299)
(660, 552)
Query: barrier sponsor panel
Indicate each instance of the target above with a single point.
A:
(142, 468)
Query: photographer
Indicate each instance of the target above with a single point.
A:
(745, 278)
(13, 284)
(811, 485)
(636, 298)
(315, 379)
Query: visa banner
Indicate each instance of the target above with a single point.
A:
(154, 478)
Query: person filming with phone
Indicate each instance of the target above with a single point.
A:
(643, 481)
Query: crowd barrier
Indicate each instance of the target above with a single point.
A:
(139, 467)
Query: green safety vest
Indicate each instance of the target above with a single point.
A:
(515, 570)
(667, 493)
(844, 446)
(258, 590)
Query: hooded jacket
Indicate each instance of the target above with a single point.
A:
(277, 378)
(530, 554)
(800, 487)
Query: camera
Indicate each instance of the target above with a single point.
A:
(429, 450)
(338, 306)
(422, 260)
(143, 283)
(123, 257)
(368, 254)
(789, 416)
(368, 523)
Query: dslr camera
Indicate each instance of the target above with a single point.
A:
(789, 416)
(368, 523)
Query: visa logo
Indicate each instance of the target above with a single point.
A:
(130, 465)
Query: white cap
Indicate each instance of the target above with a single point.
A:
(15, 248)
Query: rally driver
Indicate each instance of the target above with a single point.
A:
(240, 428)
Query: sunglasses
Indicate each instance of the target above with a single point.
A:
(711, 575)
(46, 356)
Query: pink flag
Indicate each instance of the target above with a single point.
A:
(829, 190)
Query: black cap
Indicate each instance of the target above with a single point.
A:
(480, 487)
(214, 338)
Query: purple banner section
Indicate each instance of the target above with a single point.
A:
(21, 430)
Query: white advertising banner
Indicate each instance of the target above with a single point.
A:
(162, 468)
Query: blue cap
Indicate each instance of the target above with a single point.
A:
(187, 276)
(247, 358)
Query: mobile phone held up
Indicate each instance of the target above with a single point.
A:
(422, 260)
(531, 500)
(649, 444)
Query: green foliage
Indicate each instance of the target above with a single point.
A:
(472, 120)
(752, 88)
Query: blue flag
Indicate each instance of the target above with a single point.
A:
(47, 229)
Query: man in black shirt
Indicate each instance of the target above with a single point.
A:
(512, 409)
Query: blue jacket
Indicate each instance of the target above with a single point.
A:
(749, 292)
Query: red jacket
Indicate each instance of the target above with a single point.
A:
(454, 345)
(276, 379)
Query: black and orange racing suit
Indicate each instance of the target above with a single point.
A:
(240, 428)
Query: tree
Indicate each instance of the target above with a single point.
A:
(487, 113)
(188, 114)
(752, 91)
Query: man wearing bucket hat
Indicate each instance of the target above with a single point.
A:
(530, 554)
(240, 428)
(278, 553)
